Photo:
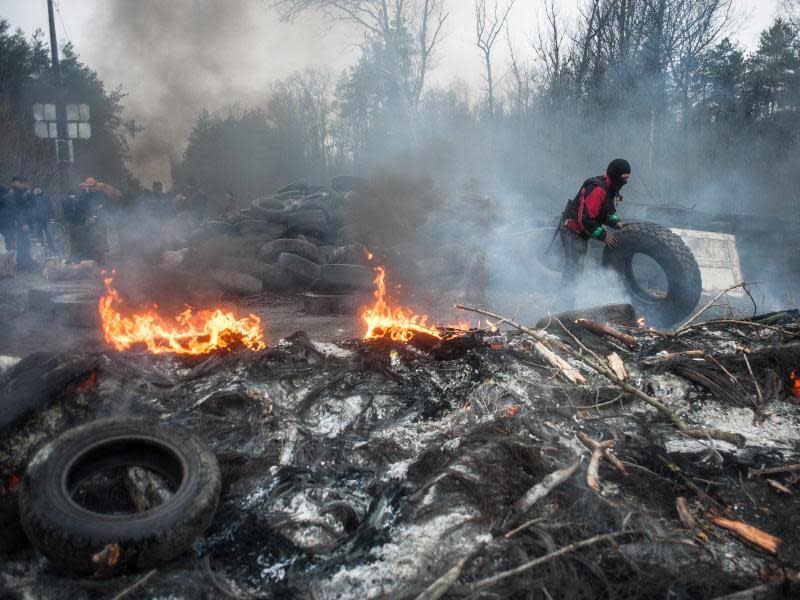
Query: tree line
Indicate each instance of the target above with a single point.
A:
(705, 123)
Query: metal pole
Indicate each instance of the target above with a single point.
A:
(61, 116)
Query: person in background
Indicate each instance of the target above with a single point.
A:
(156, 203)
(42, 217)
(228, 205)
(196, 200)
(16, 217)
(88, 234)
(586, 217)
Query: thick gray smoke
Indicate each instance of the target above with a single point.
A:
(180, 57)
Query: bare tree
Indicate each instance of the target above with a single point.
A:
(790, 10)
(488, 25)
(522, 89)
(549, 47)
(387, 21)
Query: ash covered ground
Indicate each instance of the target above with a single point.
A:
(369, 469)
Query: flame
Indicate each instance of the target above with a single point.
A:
(641, 321)
(795, 383)
(187, 333)
(398, 323)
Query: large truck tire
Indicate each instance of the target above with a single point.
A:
(680, 271)
(343, 278)
(272, 250)
(70, 533)
(301, 270)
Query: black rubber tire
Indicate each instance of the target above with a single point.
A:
(69, 534)
(344, 278)
(271, 251)
(264, 204)
(261, 227)
(297, 186)
(675, 259)
(313, 222)
(301, 270)
(276, 279)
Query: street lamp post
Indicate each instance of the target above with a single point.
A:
(62, 141)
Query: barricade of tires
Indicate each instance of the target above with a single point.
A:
(296, 240)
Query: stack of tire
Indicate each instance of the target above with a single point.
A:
(296, 240)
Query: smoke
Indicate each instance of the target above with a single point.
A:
(175, 59)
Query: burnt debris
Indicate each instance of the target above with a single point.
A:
(367, 469)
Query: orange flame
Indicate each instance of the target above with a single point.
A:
(795, 383)
(398, 323)
(186, 333)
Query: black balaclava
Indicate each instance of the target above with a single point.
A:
(616, 169)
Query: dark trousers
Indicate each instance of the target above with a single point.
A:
(575, 247)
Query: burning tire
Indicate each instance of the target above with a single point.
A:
(659, 270)
(344, 278)
(63, 520)
(301, 270)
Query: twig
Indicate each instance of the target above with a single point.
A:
(752, 535)
(687, 519)
(608, 453)
(604, 329)
(779, 487)
(677, 421)
(144, 579)
(686, 324)
(592, 477)
(755, 382)
(691, 484)
(441, 586)
(775, 470)
(664, 358)
(571, 373)
(522, 527)
(544, 487)
(614, 400)
(745, 324)
(490, 581)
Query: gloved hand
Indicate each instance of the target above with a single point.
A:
(610, 240)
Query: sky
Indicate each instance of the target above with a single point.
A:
(216, 53)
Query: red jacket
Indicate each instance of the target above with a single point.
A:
(592, 208)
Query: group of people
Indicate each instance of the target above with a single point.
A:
(29, 216)
(25, 214)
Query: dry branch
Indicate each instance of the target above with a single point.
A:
(544, 487)
(490, 581)
(441, 586)
(687, 324)
(604, 329)
(733, 438)
(748, 533)
(608, 453)
(779, 487)
(616, 364)
(776, 470)
(687, 519)
(665, 358)
(571, 373)
(144, 579)
(592, 477)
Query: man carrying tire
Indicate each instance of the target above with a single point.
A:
(585, 217)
